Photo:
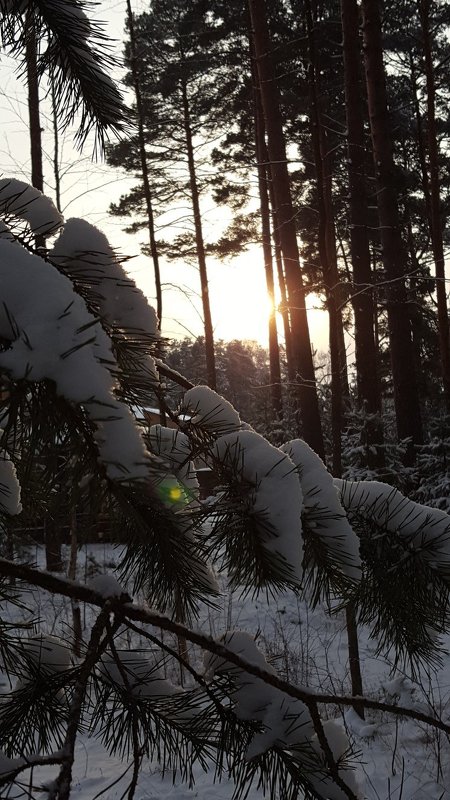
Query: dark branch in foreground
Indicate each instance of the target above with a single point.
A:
(125, 610)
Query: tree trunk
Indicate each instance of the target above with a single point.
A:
(327, 251)
(420, 139)
(301, 344)
(280, 274)
(406, 396)
(144, 166)
(53, 555)
(209, 334)
(435, 200)
(37, 174)
(56, 151)
(77, 630)
(367, 370)
(274, 353)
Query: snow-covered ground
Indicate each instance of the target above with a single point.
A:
(399, 760)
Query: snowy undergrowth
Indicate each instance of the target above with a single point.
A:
(398, 759)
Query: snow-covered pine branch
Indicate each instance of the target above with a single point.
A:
(48, 333)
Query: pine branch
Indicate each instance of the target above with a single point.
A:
(125, 610)
(77, 60)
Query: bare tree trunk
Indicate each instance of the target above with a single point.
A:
(367, 370)
(209, 334)
(56, 151)
(406, 396)
(435, 204)
(72, 574)
(327, 251)
(280, 274)
(301, 343)
(420, 139)
(144, 166)
(37, 173)
(274, 353)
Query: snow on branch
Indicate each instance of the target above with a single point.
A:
(83, 253)
(286, 722)
(209, 411)
(425, 530)
(236, 651)
(23, 201)
(273, 497)
(322, 511)
(51, 335)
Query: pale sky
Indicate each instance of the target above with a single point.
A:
(237, 288)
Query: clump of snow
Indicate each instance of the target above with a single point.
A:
(285, 720)
(425, 530)
(84, 253)
(52, 335)
(274, 497)
(46, 653)
(137, 674)
(23, 201)
(210, 411)
(107, 585)
(339, 746)
(9, 486)
(322, 509)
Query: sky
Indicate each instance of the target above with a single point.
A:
(237, 288)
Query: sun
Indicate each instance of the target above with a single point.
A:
(240, 305)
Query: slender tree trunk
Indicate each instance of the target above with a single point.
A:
(421, 150)
(37, 173)
(280, 274)
(406, 396)
(72, 574)
(435, 204)
(56, 151)
(209, 334)
(327, 250)
(367, 369)
(144, 166)
(301, 344)
(274, 353)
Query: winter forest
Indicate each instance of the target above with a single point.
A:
(225, 568)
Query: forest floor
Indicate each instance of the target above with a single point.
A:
(397, 759)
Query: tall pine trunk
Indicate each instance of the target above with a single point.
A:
(301, 344)
(327, 251)
(34, 119)
(435, 199)
(280, 273)
(199, 242)
(274, 352)
(367, 369)
(144, 166)
(406, 396)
